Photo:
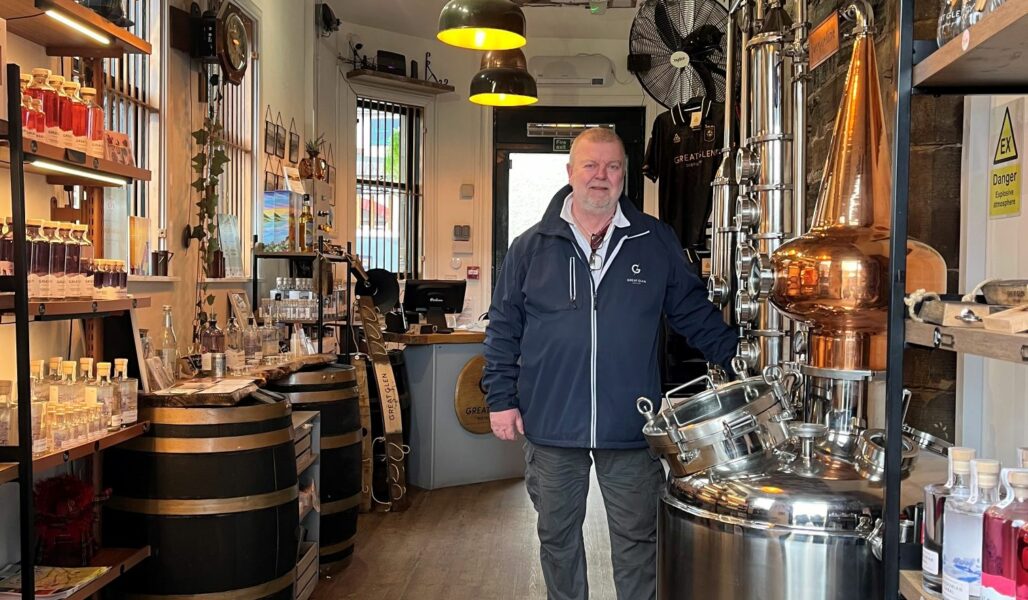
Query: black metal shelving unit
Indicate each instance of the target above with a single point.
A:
(115, 313)
(983, 61)
(317, 259)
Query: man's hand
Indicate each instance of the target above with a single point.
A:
(507, 424)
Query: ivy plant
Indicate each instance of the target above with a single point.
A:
(208, 165)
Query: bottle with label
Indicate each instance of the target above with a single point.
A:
(205, 342)
(936, 497)
(971, 12)
(37, 120)
(39, 259)
(47, 95)
(72, 261)
(7, 248)
(58, 251)
(963, 523)
(305, 231)
(71, 390)
(252, 351)
(64, 136)
(105, 394)
(86, 260)
(77, 118)
(269, 341)
(235, 355)
(95, 124)
(40, 385)
(28, 117)
(127, 391)
(1003, 522)
(168, 344)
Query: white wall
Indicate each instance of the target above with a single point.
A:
(992, 405)
(459, 135)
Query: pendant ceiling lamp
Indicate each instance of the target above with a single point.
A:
(504, 80)
(482, 24)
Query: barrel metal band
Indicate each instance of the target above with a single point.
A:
(214, 416)
(203, 506)
(338, 506)
(250, 593)
(331, 442)
(343, 545)
(210, 445)
(322, 396)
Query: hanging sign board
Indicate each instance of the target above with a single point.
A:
(824, 40)
(1005, 175)
(562, 144)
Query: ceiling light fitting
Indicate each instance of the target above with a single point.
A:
(504, 80)
(482, 25)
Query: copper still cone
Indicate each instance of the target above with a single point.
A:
(835, 277)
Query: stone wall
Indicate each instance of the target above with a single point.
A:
(934, 217)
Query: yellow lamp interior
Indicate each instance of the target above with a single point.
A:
(502, 99)
(475, 38)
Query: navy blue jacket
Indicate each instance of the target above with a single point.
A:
(574, 359)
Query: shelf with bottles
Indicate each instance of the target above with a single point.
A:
(59, 310)
(305, 256)
(910, 586)
(1012, 347)
(986, 57)
(89, 35)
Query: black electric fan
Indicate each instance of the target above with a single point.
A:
(677, 49)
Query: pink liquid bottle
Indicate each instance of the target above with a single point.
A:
(1002, 526)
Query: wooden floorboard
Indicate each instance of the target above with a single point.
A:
(470, 542)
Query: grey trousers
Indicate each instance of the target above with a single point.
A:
(630, 481)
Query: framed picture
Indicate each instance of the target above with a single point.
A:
(240, 305)
(270, 181)
(270, 131)
(118, 149)
(294, 147)
(280, 141)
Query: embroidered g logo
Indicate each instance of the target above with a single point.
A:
(636, 269)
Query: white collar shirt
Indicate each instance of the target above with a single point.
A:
(619, 221)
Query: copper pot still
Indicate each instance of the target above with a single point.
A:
(835, 277)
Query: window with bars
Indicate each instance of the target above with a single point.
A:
(390, 142)
(132, 100)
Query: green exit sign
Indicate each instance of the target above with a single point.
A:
(562, 144)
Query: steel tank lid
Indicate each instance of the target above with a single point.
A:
(783, 490)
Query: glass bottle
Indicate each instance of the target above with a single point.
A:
(123, 274)
(55, 285)
(127, 391)
(72, 261)
(8, 421)
(95, 123)
(106, 396)
(86, 261)
(64, 136)
(39, 259)
(999, 538)
(936, 496)
(305, 231)
(77, 118)
(28, 115)
(38, 120)
(146, 345)
(252, 350)
(7, 248)
(168, 345)
(962, 545)
(71, 390)
(40, 385)
(86, 370)
(206, 346)
(59, 438)
(992, 5)
(269, 341)
(23, 81)
(949, 21)
(47, 95)
(235, 356)
(970, 13)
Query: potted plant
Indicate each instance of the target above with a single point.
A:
(310, 167)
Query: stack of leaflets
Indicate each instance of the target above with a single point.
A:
(52, 583)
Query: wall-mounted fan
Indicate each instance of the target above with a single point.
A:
(677, 49)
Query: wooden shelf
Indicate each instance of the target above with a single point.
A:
(62, 40)
(986, 58)
(119, 560)
(70, 158)
(48, 461)
(8, 472)
(308, 256)
(399, 82)
(58, 310)
(910, 586)
(304, 463)
(1012, 347)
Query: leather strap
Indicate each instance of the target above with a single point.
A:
(367, 464)
(392, 424)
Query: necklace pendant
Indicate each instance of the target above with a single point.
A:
(595, 262)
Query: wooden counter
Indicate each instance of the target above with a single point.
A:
(457, 337)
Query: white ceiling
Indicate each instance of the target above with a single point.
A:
(421, 17)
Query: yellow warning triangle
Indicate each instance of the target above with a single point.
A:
(1006, 146)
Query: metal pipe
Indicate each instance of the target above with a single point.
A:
(800, 66)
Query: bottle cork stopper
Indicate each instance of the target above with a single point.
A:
(69, 367)
(88, 90)
(39, 71)
(55, 362)
(961, 457)
(86, 360)
(55, 78)
(37, 366)
(103, 368)
(987, 471)
(1018, 478)
(72, 85)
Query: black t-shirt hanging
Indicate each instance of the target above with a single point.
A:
(684, 158)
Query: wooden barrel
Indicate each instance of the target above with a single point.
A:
(214, 493)
(380, 482)
(332, 391)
